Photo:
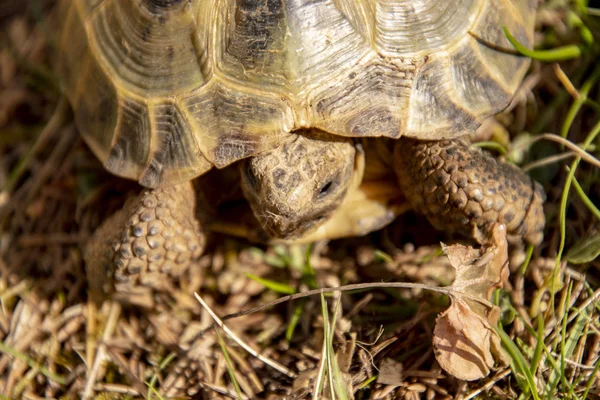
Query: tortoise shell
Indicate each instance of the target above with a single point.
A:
(163, 90)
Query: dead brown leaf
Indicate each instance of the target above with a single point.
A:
(466, 345)
(465, 342)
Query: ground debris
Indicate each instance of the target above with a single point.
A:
(58, 342)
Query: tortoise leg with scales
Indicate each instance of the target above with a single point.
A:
(164, 90)
(458, 188)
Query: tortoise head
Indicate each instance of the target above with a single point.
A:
(299, 184)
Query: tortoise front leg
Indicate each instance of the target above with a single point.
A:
(463, 189)
(155, 235)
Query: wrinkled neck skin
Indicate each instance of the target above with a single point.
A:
(296, 187)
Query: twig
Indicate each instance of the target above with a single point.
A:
(357, 286)
(562, 77)
(547, 161)
(567, 143)
(489, 384)
(221, 390)
(249, 349)
(111, 324)
(116, 388)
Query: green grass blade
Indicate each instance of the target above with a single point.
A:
(569, 344)
(334, 368)
(519, 365)
(523, 267)
(367, 382)
(273, 285)
(539, 346)
(580, 101)
(586, 200)
(308, 273)
(298, 308)
(381, 256)
(591, 380)
(491, 146)
(151, 389)
(229, 363)
(562, 215)
(584, 32)
(4, 348)
(322, 372)
(564, 353)
(567, 52)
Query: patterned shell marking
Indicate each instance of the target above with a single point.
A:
(165, 89)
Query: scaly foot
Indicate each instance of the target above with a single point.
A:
(463, 189)
(156, 234)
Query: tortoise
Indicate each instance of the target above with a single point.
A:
(290, 92)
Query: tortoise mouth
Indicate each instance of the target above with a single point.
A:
(290, 228)
(285, 223)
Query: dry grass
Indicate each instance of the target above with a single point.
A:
(54, 342)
